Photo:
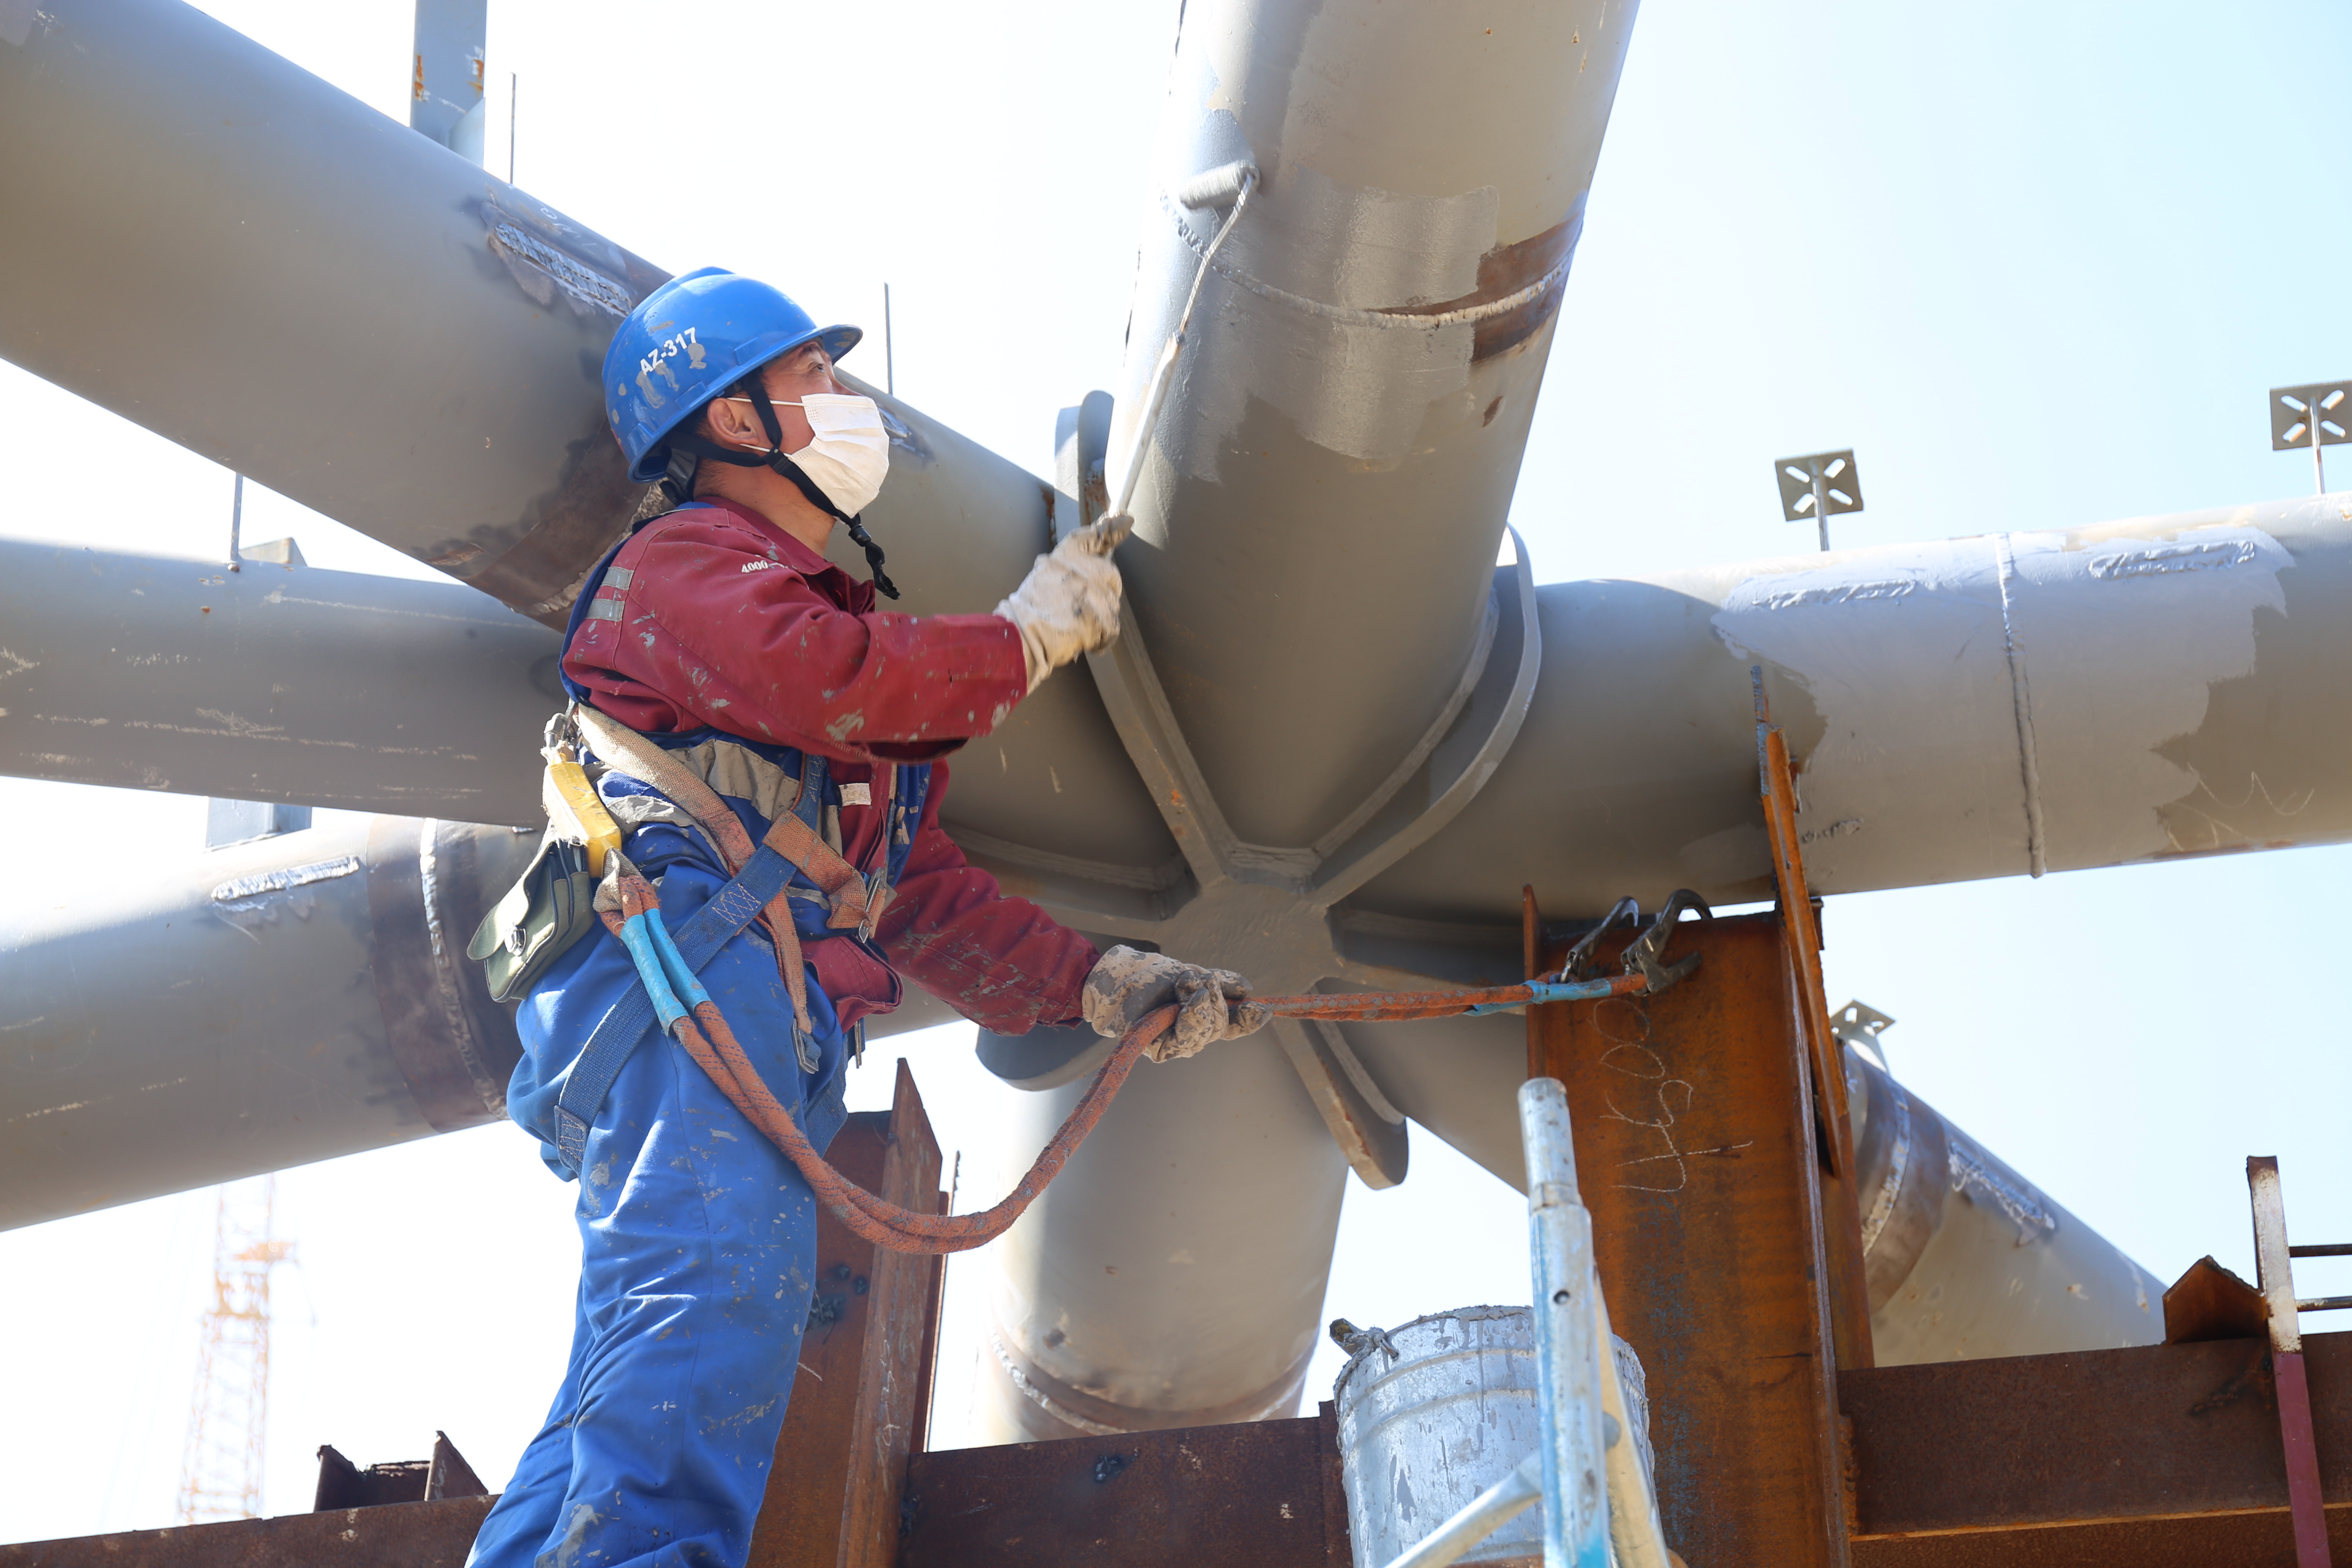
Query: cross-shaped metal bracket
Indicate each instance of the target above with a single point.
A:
(2316, 416)
(1277, 913)
(1819, 486)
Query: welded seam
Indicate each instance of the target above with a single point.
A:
(575, 278)
(286, 880)
(1972, 1175)
(1898, 1162)
(448, 998)
(1399, 776)
(1046, 1402)
(1468, 315)
(2021, 695)
(1466, 784)
(1344, 1054)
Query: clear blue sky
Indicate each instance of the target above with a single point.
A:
(2037, 267)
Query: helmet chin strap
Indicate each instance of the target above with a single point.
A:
(679, 482)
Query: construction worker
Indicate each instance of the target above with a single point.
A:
(718, 638)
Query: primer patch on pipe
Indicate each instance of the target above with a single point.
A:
(1359, 382)
(1378, 298)
(1976, 684)
(1360, 247)
(2158, 559)
(2124, 636)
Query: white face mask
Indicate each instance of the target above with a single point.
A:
(848, 454)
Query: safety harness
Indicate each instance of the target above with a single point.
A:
(795, 874)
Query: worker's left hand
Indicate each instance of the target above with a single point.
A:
(1127, 984)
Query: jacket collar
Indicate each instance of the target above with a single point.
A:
(827, 578)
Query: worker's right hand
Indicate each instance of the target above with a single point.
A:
(1068, 604)
(1126, 985)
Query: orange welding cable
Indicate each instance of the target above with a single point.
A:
(876, 1219)
(710, 1041)
(711, 1044)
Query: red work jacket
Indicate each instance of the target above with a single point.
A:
(734, 624)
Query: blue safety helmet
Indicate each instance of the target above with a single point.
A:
(688, 342)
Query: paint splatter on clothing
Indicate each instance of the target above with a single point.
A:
(722, 619)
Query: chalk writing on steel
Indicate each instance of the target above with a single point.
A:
(1662, 1092)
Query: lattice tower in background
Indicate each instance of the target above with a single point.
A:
(221, 1468)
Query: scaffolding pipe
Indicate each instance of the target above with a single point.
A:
(1567, 1346)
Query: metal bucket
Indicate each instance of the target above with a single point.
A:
(1426, 1431)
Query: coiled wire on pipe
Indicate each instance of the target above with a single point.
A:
(687, 1012)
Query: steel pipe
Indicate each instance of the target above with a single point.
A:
(214, 243)
(279, 1002)
(2141, 690)
(2175, 675)
(1363, 367)
(1568, 1334)
(1320, 509)
(1965, 1258)
(1173, 1274)
(277, 683)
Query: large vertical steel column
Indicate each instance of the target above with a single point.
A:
(1694, 1143)
(1363, 368)
(1364, 364)
(1173, 1274)
(446, 101)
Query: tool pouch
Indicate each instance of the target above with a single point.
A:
(550, 906)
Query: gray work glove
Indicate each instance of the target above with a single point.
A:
(1125, 985)
(1068, 604)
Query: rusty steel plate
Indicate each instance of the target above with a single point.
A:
(401, 1535)
(1265, 1494)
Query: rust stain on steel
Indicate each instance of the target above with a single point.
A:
(2207, 1541)
(565, 530)
(895, 1370)
(1849, 1290)
(2156, 1454)
(1265, 1494)
(1804, 943)
(535, 562)
(800, 1518)
(402, 1535)
(1510, 269)
(1713, 1267)
(2209, 1302)
(840, 1470)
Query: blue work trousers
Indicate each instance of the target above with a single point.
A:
(698, 1253)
